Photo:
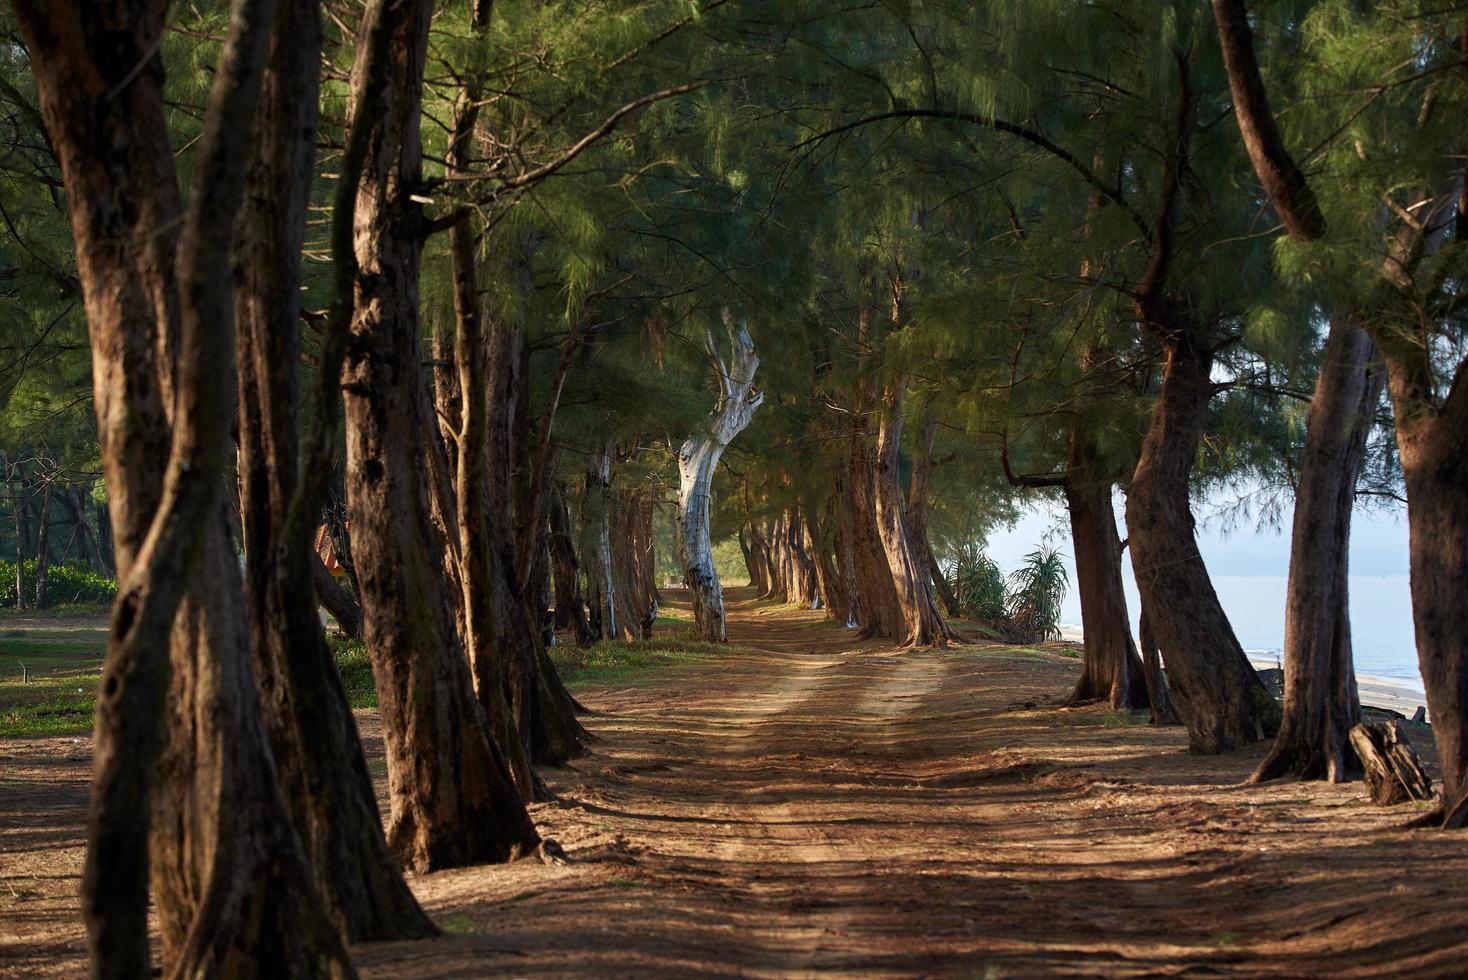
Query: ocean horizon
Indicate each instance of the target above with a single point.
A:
(1382, 637)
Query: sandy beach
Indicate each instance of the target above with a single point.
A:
(1393, 693)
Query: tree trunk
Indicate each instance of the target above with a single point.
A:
(570, 607)
(453, 801)
(218, 825)
(22, 505)
(876, 594)
(1111, 670)
(233, 886)
(43, 547)
(752, 563)
(323, 772)
(1434, 452)
(921, 623)
(1163, 712)
(697, 460)
(1320, 700)
(596, 546)
(336, 600)
(1218, 694)
(91, 544)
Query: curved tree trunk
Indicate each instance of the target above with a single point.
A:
(921, 622)
(1163, 712)
(323, 773)
(697, 460)
(1111, 670)
(158, 342)
(1218, 694)
(336, 600)
(1320, 700)
(453, 801)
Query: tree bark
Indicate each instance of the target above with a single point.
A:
(1434, 452)
(570, 607)
(1218, 694)
(22, 538)
(43, 546)
(697, 461)
(336, 600)
(1111, 669)
(596, 545)
(1320, 700)
(323, 772)
(921, 622)
(91, 544)
(453, 801)
(218, 824)
(1288, 189)
(1163, 712)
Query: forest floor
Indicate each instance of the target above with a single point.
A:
(808, 804)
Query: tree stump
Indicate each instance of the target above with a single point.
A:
(1393, 772)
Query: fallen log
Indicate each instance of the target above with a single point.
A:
(1393, 772)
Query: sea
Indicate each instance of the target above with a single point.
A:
(1381, 620)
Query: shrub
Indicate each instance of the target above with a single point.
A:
(1036, 590)
(979, 585)
(67, 584)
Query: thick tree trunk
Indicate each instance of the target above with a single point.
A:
(876, 594)
(917, 519)
(21, 500)
(1163, 712)
(233, 886)
(474, 410)
(596, 546)
(453, 801)
(1320, 700)
(570, 607)
(217, 823)
(323, 772)
(1217, 692)
(753, 562)
(921, 622)
(697, 460)
(1111, 669)
(1434, 451)
(633, 560)
(801, 573)
(336, 600)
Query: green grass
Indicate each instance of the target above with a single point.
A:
(79, 610)
(64, 665)
(621, 663)
(1110, 718)
(355, 667)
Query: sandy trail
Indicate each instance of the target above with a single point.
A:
(809, 805)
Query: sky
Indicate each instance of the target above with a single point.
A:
(1378, 541)
(1249, 566)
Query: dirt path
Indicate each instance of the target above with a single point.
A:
(811, 805)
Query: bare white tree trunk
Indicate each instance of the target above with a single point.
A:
(697, 460)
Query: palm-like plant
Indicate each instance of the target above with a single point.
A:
(978, 583)
(1036, 590)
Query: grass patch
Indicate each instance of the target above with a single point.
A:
(78, 610)
(48, 680)
(355, 667)
(620, 663)
(1110, 718)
